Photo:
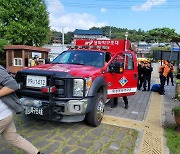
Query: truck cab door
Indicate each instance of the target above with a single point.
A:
(122, 75)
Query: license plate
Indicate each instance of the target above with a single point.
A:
(36, 81)
(33, 110)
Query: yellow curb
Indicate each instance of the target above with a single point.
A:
(121, 122)
(152, 139)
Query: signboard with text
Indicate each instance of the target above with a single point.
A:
(113, 45)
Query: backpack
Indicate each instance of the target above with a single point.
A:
(155, 88)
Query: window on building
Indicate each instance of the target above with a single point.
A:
(17, 61)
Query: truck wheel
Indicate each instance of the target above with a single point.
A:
(94, 117)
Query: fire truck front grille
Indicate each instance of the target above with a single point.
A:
(64, 88)
(60, 88)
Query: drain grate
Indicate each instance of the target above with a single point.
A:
(151, 143)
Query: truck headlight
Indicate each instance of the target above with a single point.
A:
(78, 87)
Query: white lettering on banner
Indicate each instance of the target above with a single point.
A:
(95, 43)
(104, 42)
(89, 42)
(101, 42)
(112, 42)
(122, 90)
(117, 42)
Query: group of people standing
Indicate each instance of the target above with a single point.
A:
(144, 75)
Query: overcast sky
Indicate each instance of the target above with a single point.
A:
(131, 14)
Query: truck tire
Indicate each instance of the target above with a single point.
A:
(94, 117)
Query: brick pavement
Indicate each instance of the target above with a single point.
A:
(168, 103)
(78, 138)
(138, 104)
(73, 138)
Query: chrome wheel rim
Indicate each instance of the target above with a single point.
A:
(100, 110)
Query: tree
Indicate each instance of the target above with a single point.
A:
(119, 33)
(158, 35)
(68, 37)
(24, 21)
(176, 39)
(2, 53)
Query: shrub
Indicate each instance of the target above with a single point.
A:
(176, 110)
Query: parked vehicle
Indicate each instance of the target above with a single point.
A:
(78, 83)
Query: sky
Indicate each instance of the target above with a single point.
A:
(68, 15)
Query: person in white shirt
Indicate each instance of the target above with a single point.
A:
(8, 105)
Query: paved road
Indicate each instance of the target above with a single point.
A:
(74, 138)
(138, 104)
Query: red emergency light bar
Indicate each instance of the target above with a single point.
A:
(113, 46)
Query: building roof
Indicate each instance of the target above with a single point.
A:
(88, 32)
(26, 47)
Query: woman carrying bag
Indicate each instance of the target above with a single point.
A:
(9, 103)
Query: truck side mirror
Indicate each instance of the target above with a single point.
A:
(117, 67)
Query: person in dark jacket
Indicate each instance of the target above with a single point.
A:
(115, 102)
(140, 75)
(170, 74)
(8, 104)
(147, 70)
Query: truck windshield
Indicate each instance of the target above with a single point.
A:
(81, 57)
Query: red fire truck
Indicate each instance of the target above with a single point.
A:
(78, 83)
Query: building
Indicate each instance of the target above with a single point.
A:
(88, 34)
(56, 49)
(20, 56)
(143, 49)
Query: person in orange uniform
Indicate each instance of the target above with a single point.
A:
(163, 70)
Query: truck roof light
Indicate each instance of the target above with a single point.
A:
(47, 89)
(86, 47)
(70, 46)
(80, 47)
(105, 47)
(98, 47)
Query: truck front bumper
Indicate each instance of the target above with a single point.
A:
(64, 111)
(74, 107)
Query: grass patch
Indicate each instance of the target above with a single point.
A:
(173, 139)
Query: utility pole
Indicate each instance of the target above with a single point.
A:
(110, 32)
